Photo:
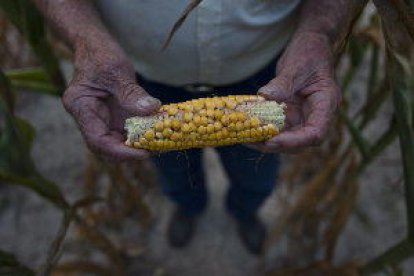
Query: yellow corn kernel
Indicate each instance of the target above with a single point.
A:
(202, 130)
(253, 132)
(202, 112)
(185, 128)
(218, 103)
(239, 126)
(233, 117)
(210, 128)
(231, 104)
(149, 135)
(204, 121)
(272, 129)
(176, 136)
(207, 122)
(218, 114)
(217, 126)
(167, 123)
(247, 124)
(172, 110)
(197, 120)
(137, 144)
(225, 120)
(167, 132)
(188, 116)
(176, 124)
(159, 126)
(188, 107)
(143, 141)
(241, 116)
(210, 113)
(255, 121)
(212, 136)
(197, 105)
(192, 136)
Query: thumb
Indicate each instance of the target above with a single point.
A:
(278, 89)
(135, 100)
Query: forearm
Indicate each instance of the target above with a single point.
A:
(330, 18)
(76, 21)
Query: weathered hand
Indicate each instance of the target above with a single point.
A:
(102, 93)
(305, 81)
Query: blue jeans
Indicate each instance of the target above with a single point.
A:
(252, 174)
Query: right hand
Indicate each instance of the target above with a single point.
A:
(102, 94)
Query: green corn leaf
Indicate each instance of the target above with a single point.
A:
(357, 50)
(32, 80)
(384, 141)
(357, 137)
(400, 75)
(379, 146)
(27, 74)
(28, 20)
(393, 256)
(9, 266)
(373, 70)
(16, 164)
(373, 104)
(6, 94)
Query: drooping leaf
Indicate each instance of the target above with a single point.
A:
(390, 257)
(32, 80)
(28, 20)
(6, 94)
(356, 49)
(16, 164)
(191, 6)
(400, 75)
(373, 103)
(357, 136)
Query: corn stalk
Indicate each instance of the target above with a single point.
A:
(397, 22)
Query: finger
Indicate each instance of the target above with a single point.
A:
(278, 89)
(99, 138)
(314, 129)
(135, 100)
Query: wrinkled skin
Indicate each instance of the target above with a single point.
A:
(101, 95)
(305, 81)
(104, 92)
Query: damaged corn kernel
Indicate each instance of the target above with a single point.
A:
(206, 122)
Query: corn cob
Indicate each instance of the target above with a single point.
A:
(207, 122)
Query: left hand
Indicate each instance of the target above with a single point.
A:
(305, 81)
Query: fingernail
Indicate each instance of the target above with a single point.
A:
(265, 90)
(148, 102)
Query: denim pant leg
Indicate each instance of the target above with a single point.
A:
(252, 177)
(181, 172)
(182, 179)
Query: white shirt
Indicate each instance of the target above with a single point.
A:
(221, 41)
